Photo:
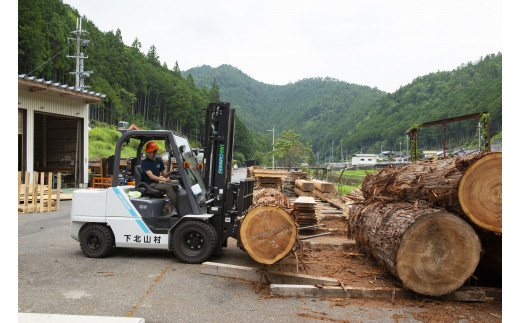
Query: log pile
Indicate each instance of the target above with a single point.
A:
(470, 186)
(427, 222)
(268, 231)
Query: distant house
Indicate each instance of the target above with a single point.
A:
(364, 159)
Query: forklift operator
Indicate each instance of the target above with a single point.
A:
(152, 167)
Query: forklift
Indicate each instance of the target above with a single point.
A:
(207, 209)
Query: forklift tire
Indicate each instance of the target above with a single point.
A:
(96, 240)
(194, 241)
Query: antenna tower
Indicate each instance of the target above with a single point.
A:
(81, 75)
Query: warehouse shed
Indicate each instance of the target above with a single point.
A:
(53, 129)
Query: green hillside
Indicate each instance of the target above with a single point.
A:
(312, 107)
(358, 117)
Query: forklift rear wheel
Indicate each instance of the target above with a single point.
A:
(194, 241)
(96, 240)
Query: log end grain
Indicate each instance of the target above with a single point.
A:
(268, 234)
(480, 192)
(437, 254)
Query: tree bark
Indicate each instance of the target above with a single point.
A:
(268, 231)
(431, 251)
(469, 186)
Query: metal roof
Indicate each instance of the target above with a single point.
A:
(43, 84)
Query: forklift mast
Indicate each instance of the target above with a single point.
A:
(229, 200)
(219, 137)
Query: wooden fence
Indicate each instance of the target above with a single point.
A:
(38, 195)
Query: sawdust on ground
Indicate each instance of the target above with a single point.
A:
(355, 269)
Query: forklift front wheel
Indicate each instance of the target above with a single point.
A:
(194, 241)
(96, 240)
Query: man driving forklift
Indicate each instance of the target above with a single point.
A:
(152, 167)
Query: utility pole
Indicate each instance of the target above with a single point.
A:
(341, 149)
(81, 75)
(273, 144)
(332, 152)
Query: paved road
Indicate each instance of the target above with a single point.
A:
(55, 277)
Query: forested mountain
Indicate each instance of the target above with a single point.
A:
(312, 107)
(359, 118)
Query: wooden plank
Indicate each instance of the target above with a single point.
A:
(299, 192)
(35, 190)
(323, 186)
(26, 192)
(304, 185)
(305, 200)
(253, 274)
(336, 291)
(462, 295)
(49, 191)
(42, 190)
(58, 189)
(19, 187)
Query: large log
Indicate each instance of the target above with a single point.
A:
(267, 231)
(304, 185)
(431, 251)
(470, 186)
(323, 186)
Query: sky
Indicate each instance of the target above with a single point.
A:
(383, 44)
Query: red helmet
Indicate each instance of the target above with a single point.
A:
(151, 146)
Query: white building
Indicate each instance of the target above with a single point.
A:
(53, 128)
(364, 159)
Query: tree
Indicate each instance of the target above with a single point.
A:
(290, 150)
(214, 95)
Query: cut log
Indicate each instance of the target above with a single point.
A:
(470, 186)
(322, 186)
(267, 231)
(430, 250)
(480, 192)
(268, 234)
(306, 186)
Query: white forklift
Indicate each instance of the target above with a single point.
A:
(206, 210)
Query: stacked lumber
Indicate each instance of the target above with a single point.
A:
(305, 212)
(250, 170)
(265, 178)
(268, 231)
(324, 190)
(303, 187)
(289, 183)
(427, 222)
(38, 195)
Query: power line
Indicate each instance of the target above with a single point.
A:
(48, 60)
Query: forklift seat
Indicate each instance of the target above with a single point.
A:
(144, 188)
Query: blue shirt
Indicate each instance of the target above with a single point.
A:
(156, 167)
